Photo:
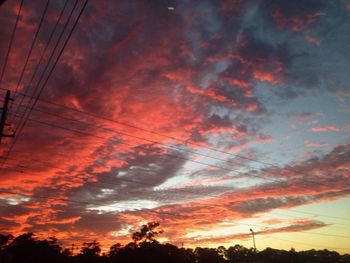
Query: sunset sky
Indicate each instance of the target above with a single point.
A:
(210, 117)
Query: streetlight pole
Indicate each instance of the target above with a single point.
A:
(253, 234)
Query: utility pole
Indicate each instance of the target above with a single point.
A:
(253, 234)
(4, 115)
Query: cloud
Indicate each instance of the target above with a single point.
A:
(245, 203)
(315, 144)
(191, 79)
(313, 40)
(325, 128)
(272, 221)
(299, 227)
(228, 238)
(295, 16)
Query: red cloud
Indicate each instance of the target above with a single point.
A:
(237, 82)
(325, 128)
(265, 76)
(210, 92)
(149, 75)
(294, 23)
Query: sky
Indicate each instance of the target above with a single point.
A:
(210, 117)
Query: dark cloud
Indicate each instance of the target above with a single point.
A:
(265, 204)
(297, 227)
(300, 226)
(7, 225)
(294, 15)
(291, 8)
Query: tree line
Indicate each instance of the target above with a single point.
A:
(27, 248)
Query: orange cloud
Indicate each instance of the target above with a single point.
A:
(325, 128)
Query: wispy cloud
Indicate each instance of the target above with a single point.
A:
(326, 128)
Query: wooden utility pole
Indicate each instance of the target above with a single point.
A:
(4, 115)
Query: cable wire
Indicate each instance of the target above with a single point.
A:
(11, 42)
(41, 58)
(35, 96)
(88, 134)
(180, 149)
(184, 190)
(45, 82)
(31, 47)
(171, 137)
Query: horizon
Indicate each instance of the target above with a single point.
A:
(76, 249)
(209, 117)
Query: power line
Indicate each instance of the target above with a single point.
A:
(134, 136)
(238, 223)
(11, 42)
(149, 131)
(265, 227)
(128, 144)
(173, 148)
(124, 179)
(124, 134)
(176, 148)
(145, 139)
(171, 155)
(104, 183)
(321, 215)
(167, 147)
(36, 96)
(139, 128)
(308, 213)
(180, 149)
(47, 78)
(31, 47)
(146, 184)
(42, 56)
(174, 138)
(238, 156)
(254, 160)
(84, 133)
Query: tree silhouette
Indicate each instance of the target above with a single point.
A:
(4, 240)
(91, 249)
(114, 249)
(89, 253)
(147, 233)
(27, 248)
(208, 255)
(239, 253)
